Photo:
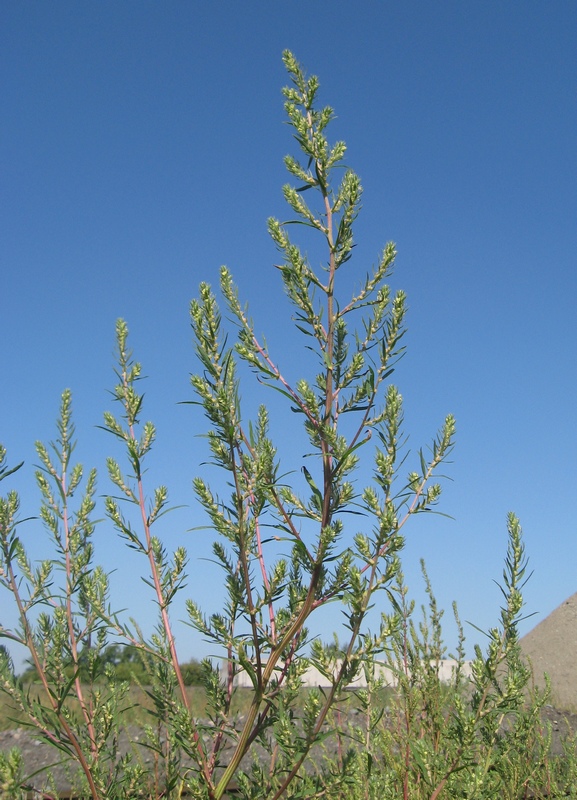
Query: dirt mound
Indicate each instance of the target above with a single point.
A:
(551, 648)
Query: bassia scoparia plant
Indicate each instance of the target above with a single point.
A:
(289, 540)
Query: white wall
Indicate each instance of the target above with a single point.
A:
(312, 677)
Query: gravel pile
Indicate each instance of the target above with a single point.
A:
(551, 647)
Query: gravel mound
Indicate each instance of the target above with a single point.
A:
(551, 647)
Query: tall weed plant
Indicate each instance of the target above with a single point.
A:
(420, 739)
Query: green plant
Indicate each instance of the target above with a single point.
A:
(11, 775)
(345, 409)
(275, 584)
(450, 735)
(461, 736)
(60, 606)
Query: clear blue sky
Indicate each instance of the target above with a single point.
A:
(142, 148)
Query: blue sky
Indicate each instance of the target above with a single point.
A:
(142, 148)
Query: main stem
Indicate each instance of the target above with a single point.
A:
(329, 399)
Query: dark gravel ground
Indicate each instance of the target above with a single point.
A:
(563, 725)
(39, 757)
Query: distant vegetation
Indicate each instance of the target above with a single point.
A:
(126, 661)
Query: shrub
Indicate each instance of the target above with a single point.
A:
(276, 584)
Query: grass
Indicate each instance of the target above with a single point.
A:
(139, 704)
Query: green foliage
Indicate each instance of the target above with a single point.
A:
(263, 628)
(461, 740)
(11, 775)
(127, 664)
(463, 737)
